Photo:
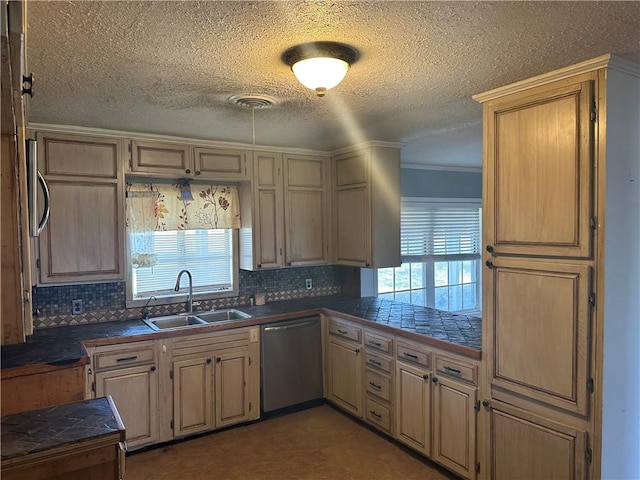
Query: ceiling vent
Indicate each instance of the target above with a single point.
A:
(250, 100)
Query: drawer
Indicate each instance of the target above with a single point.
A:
(124, 358)
(378, 342)
(378, 414)
(378, 384)
(350, 332)
(379, 363)
(456, 369)
(415, 355)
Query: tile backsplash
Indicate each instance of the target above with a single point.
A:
(106, 301)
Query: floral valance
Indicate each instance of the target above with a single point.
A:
(159, 207)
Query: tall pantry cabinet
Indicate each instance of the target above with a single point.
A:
(560, 156)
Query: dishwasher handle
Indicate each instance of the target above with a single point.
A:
(287, 327)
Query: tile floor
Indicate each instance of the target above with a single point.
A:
(316, 444)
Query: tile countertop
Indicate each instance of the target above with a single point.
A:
(60, 347)
(41, 432)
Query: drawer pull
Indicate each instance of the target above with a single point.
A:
(377, 344)
(410, 355)
(452, 370)
(374, 362)
(375, 385)
(127, 359)
(342, 332)
(375, 414)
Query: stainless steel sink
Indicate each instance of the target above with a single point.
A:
(222, 315)
(174, 322)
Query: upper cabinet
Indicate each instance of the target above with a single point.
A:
(262, 213)
(366, 215)
(184, 161)
(539, 163)
(84, 238)
(307, 207)
(285, 212)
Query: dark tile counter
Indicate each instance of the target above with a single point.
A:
(58, 428)
(57, 347)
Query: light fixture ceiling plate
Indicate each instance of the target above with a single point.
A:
(320, 49)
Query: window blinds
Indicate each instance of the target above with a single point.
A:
(439, 231)
(207, 254)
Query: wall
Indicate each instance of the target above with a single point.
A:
(621, 376)
(416, 182)
(106, 301)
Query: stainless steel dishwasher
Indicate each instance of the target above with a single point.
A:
(291, 363)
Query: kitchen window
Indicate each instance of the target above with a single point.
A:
(161, 244)
(440, 247)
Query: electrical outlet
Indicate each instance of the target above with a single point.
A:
(309, 284)
(76, 307)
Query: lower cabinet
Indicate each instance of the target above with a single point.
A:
(232, 403)
(192, 395)
(177, 387)
(454, 426)
(413, 407)
(343, 366)
(525, 445)
(129, 374)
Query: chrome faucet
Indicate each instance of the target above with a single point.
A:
(190, 295)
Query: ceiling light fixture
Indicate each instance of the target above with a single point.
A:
(320, 66)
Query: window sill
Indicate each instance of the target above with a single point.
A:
(179, 298)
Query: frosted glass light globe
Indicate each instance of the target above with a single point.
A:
(320, 73)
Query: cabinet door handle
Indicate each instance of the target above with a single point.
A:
(218, 360)
(490, 264)
(452, 370)
(343, 332)
(485, 403)
(187, 171)
(209, 361)
(376, 386)
(127, 359)
(426, 377)
(375, 414)
(410, 355)
(197, 172)
(489, 248)
(435, 380)
(377, 344)
(152, 369)
(374, 362)
(357, 351)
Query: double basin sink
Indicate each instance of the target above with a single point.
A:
(186, 320)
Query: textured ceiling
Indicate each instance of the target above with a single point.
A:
(169, 67)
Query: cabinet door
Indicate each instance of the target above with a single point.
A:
(345, 376)
(306, 210)
(269, 210)
(538, 164)
(454, 426)
(352, 224)
(232, 391)
(167, 158)
(192, 395)
(221, 164)
(537, 326)
(135, 393)
(413, 407)
(527, 447)
(83, 240)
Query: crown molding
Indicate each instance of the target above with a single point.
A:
(603, 61)
(194, 142)
(441, 168)
(369, 144)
